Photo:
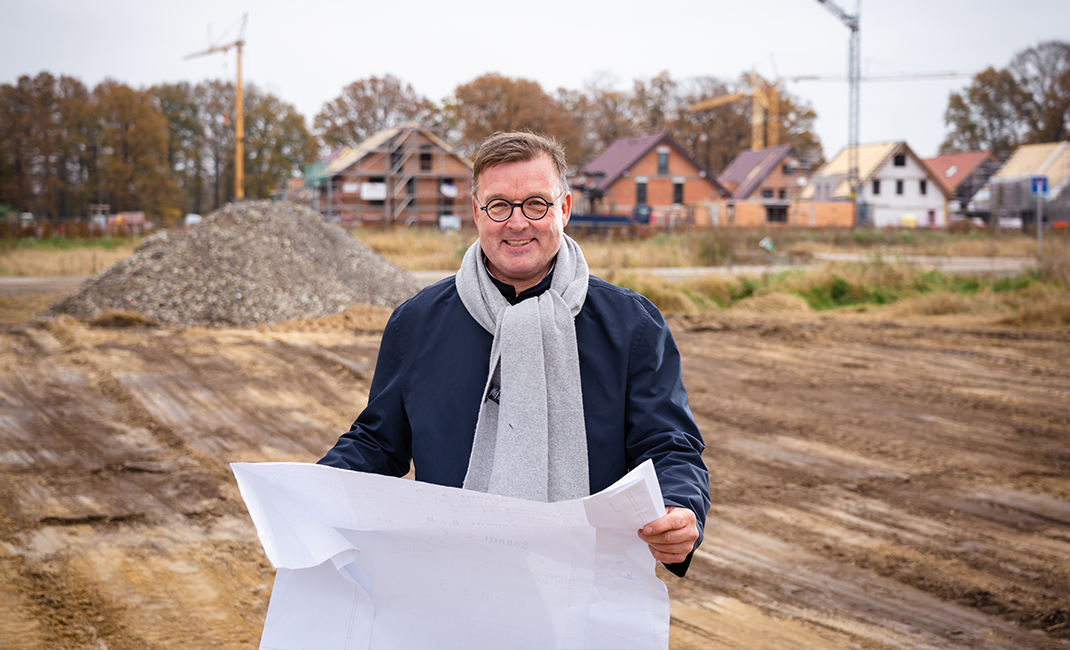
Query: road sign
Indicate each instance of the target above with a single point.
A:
(1039, 186)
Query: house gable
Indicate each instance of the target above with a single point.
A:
(400, 174)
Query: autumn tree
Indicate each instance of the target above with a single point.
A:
(368, 106)
(1029, 101)
(185, 143)
(47, 126)
(493, 103)
(1043, 75)
(655, 104)
(986, 116)
(605, 113)
(277, 142)
(713, 136)
(131, 171)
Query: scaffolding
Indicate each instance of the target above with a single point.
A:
(401, 175)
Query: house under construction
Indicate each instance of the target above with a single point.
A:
(401, 175)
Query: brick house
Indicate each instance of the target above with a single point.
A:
(400, 175)
(651, 170)
(770, 176)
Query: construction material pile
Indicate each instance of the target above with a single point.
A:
(250, 263)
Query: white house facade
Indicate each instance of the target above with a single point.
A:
(898, 189)
(903, 193)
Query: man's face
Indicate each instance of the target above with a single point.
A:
(519, 251)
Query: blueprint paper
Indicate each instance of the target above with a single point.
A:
(367, 561)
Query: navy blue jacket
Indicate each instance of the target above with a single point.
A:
(432, 369)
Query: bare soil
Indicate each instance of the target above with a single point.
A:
(877, 482)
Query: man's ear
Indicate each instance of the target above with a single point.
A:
(566, 208)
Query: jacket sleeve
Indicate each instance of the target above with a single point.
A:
(380, 440)
(661, 426)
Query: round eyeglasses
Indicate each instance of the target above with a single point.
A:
(533, 207)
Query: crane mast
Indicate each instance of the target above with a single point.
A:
(854, 78)
(239, 115)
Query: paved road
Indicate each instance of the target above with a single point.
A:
(962, 265)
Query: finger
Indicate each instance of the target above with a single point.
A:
(669, 557)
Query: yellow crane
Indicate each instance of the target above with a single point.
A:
(239, 116)
(765, 112)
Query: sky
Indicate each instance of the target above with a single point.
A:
(305, 54)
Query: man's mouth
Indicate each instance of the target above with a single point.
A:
(516, 243)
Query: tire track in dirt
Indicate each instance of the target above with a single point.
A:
(862, 451)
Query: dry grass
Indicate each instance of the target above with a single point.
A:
(358, 318)
(72, 261)
(21, 308)
(418, 250)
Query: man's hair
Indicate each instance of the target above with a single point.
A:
(518, 146)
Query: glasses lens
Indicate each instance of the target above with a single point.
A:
(535, 208)
(499, 210)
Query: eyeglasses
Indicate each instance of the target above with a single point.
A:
(533, 207)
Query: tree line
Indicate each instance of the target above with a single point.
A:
(168, 149)
(1027, 102)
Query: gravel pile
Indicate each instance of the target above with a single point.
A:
(250, 263)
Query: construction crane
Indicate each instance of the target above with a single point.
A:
(239, 116)
(853, 76)
(764, 113)
(910, 76)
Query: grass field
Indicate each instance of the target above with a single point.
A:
(1038, 298)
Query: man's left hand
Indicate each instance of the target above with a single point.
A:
(672, 537)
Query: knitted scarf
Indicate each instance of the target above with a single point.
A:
(530, 440)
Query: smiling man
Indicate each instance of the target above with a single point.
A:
(524, 375)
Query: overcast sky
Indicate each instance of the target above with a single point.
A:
(305, 53)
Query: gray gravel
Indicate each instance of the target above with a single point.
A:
(249, 263)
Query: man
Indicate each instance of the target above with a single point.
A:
(523, 375)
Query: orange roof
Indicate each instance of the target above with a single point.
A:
(953, 168)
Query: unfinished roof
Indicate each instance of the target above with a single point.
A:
(871, 160)
(622, 155)
(1051, 160)
(747, 170)
(341, 159)
(954, 168)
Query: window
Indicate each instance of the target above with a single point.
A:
(776, 214)
(425, 159)
(782, 194)
(410, 186)
(395, 159)
(640, 192)
(767, 193)
(899, 186)
(876, 186)
(663, 163)
(677, 192)
(923, 187)
(788, 170)
(900, 160)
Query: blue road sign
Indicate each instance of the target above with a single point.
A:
(1039, 185)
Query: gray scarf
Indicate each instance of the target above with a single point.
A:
(530, 439)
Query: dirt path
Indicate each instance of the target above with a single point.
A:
(876, 483)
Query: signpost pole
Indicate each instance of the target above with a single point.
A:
(1038, 186)
(1040, 225)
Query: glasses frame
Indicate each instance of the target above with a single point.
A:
(514, 206)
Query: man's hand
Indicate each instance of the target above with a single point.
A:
(671, 537)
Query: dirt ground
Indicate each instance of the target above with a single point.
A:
(877, 483)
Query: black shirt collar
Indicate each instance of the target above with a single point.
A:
(510, 293)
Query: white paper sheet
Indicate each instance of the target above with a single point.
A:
(367, 561)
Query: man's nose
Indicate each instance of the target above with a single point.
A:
(517, 219)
